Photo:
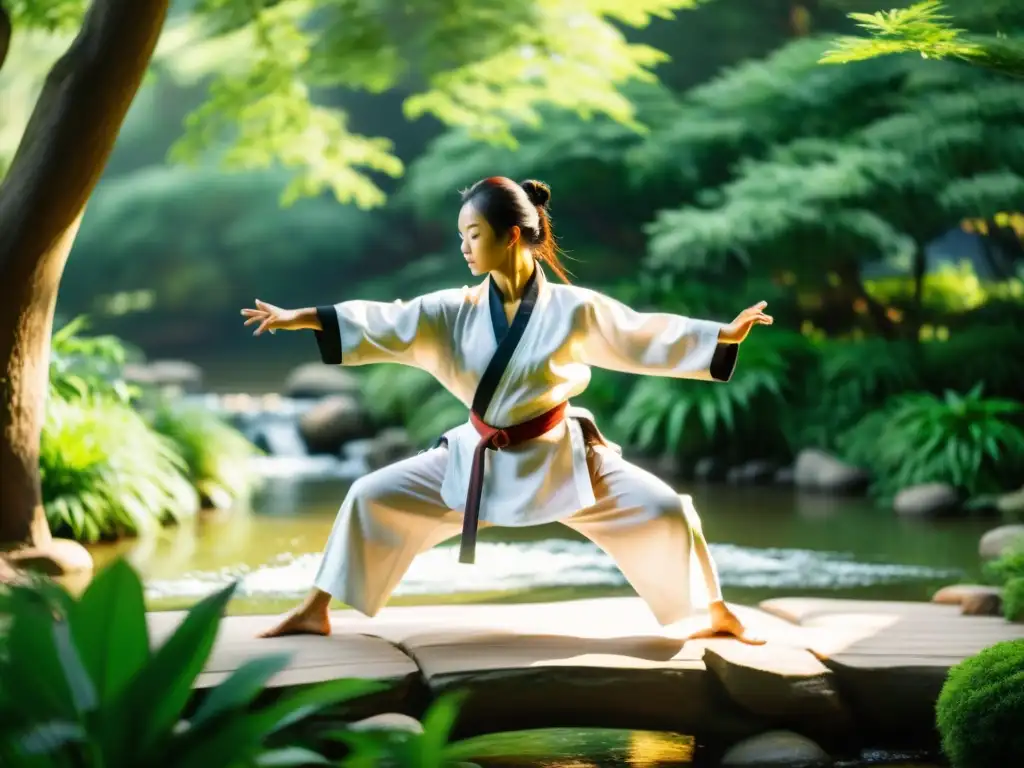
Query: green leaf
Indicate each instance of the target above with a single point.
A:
(295, 706)
(109, 628)
(154, 700)
(83, 691)
(438, 723)
(34, 669)
(240, 688)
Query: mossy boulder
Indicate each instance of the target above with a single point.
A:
(981, 708)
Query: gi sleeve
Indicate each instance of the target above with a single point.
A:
(619, 338)
(359, 332)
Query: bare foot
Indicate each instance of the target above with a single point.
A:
(724, 623)
(300, 622)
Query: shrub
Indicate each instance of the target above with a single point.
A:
(88, 367)
(105, 473)
(82, 687)
(216, 455)
(981, 708)
(400, 394)
(1008, 571)
(971, 442)
(691, 418)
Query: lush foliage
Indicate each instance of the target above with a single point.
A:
(1008, 572)
(216, 455)
(481, 65)
(981, 707)
(926, 29)
(108, 471)
(403, 395)
(82, 686)
(973, 443)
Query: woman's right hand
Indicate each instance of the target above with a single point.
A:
(269, 317)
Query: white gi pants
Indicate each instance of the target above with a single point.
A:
(392, 514)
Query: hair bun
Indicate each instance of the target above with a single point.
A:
(538, 192)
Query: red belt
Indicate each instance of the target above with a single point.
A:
(496, 438)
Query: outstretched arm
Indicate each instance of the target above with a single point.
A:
(619, 338)
(359, 332)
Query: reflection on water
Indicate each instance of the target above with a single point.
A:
(765, 541)
(579, 748)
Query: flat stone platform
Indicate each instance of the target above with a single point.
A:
(841, 672)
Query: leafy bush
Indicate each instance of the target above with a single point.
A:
(400, 394)
(968, 441)
(853, 378)
(981, 707)
(82, 367)
(991, 354)
(105, 473)
(82, 687)
(1008, 571)
(215, 454)
(690, 418)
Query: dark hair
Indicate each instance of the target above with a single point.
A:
(506, 204)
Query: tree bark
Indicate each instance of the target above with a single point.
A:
(60, 158)
(5, 34)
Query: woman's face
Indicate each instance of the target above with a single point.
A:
(483, 250)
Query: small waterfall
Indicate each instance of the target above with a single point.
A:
(281, 438)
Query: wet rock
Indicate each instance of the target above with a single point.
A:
(331, 423)
(785, 476)
(928, 500)
(786, 684)
(1001, 540)
(757, 472)
(179, 376)
(314, 380)
(777, 748)
(388, 721)
(1012, 505)
(391, 445)
(709, 470)
(956, 594)
(532, 680)
(983, 604)
(819, 471)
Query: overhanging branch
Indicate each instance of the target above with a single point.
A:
(74, 125)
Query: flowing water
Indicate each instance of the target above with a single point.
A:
(767, 542)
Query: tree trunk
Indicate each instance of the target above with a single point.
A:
(61, 156)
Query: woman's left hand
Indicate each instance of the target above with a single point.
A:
(737, 330)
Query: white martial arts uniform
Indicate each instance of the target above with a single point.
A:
(570, 474)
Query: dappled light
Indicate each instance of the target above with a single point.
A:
(545, 384)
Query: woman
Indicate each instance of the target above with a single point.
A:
(514, 348)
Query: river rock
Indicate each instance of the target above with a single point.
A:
(787, 685)
(819, 471)
(927, 500)
(982, 604)
(785, 476)
(1012, 504)
(757, 472)
(331, 423)
(709, 469)
(388, 721)
(777, 748)
(314, 380)
(179, 375)
(999, 541)
(391, 445)
(956, 594)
